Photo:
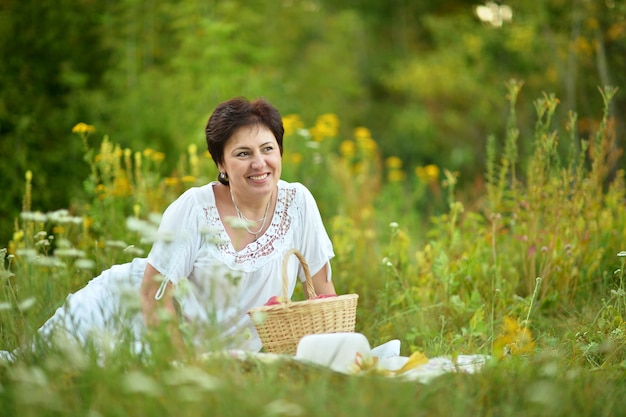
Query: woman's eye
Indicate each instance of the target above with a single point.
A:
(242, 154)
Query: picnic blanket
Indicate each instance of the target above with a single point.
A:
(351, 354)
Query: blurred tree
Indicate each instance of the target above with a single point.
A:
(50, 54)
(175, 64)
(442, 92)
(427, 77)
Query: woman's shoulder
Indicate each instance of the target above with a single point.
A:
(191, 200)
(297, 193)
(294, 187)
(188, 210)
(199, 194)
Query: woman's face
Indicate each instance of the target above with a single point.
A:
(252, 161)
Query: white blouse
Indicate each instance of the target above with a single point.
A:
(215, 284)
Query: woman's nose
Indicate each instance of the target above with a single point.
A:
(258, 161)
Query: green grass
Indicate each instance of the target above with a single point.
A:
(541, 386)
(527, 267)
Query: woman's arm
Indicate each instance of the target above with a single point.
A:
(150, 306)
(321, 283)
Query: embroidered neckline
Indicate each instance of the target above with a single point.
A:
(266, 243)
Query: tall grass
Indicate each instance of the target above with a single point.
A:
(529, 270)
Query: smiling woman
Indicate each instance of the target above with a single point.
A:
(252, 164)
(221, 249)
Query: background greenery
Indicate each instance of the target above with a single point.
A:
(427, 77)
(469, 176)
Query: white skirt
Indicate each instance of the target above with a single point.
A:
(107, 307)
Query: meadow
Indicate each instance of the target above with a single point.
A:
(525, 264)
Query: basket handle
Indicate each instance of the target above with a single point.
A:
(307, 273)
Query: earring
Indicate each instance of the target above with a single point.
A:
(223, 176)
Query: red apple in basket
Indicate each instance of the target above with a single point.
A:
(326, 296)
(276, 299)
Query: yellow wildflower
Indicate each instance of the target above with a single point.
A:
(138, 160)
(432, 172)
(87, 222)
(366, 213)
(18, 236)
(362, 133)
(158, 156)
(592, 23)
(83, 128)
(296, 158)
(370, 234)
(393, 162)
(188, 178)
(171, 181)
(101, 191)
(368, 145)
(514, 340)
(347, 149)
(121, 186)
(292, 123)
(326, 126)
(118, 152)
(428, 174)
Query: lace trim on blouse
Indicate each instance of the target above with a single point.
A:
(258, 251)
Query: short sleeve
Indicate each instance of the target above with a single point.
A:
(179, 238)
(315, 244)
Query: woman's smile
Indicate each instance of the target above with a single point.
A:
(258, 177)
(253, 163)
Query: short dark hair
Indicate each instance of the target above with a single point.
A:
(239, 112)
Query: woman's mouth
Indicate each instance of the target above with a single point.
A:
(258, 177)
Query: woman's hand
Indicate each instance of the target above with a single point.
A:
(321, 284)
(150, 284)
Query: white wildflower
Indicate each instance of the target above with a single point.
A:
(35, 216)
(134, 251)
(26, 304)
(86, 264)
(283, 408)
(49, 262)
(27, 253)
(70, 252)
(116, 244)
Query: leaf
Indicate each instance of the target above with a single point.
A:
(477, 322)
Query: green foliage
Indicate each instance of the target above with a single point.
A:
(457, 240)
(51, 55)
(467, 281)
(425, 77)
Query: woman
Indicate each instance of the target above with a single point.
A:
(225, 243)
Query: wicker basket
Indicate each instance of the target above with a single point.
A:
(281, 326)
